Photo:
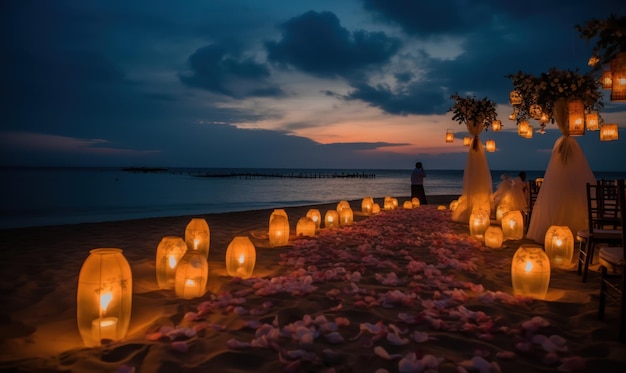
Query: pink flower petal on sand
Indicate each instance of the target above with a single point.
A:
(396, 340)
(334, 337)
(381, 352)
(235, 344)
(420, 337)
(180, 346)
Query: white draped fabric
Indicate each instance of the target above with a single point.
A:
(477, 185)
(562, 198)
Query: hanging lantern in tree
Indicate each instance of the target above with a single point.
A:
(241, 257)
(607, 79)
(591, 120)
(366, 205)
(169, 252)
(493, 237)
(535, 111)
(496, 125)
(609, 132)
(342, 205)
(529, 132)
(530, 271)
(407, 205)
(618, 70)
(522, 127)
(576, 117)
(467, 141)
(478, 223)
(104, 296)
(331, 219)
(191, 275)
(198, 236)
(515, 98)
(513, 225)
(559, 245)
(316, 216)
(305, 227)
(415, 202)
(449, 135)
(279, 231)
(544, 119)
(346, 216)
(375, 209)
(490, 146)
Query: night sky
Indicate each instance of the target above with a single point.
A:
(297, 84)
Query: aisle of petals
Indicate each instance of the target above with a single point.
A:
(408, 268)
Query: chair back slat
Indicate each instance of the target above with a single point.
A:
(602, 206)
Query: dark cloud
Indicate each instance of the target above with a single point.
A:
(221, 69)
(417, 98)
(316, 43)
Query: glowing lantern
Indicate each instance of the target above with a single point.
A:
(500, 211)
(535, 111)
(467, 141)
(305, 227)
(407, 205)
(449, 135)
(366, 205)
(529, 132)
(618, 70)
(441, 207)
(331, 219)
(191, 275)
(415, 202)
(478, 223)
(515, 98)
(394, 201)
(346, 216)
(609, 132)
(493, 237)
(576, 117)
(559, 244)
(591, 120)
(544, 118)
(496, 125)
(342, 205)
(522, 127)
(513, 225)
(530, 271)
(375, 209)
(607, 79)
(316, 216)
(279, 231)
(198, 236)
(281, 212)
(490, 146)
(388, 204)
(454, 204)
(104, 296)
(169, 252)
(241, 257)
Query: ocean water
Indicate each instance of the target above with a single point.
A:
(52, 196)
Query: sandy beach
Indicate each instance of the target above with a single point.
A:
(401, 291)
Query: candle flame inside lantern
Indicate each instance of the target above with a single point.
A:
(171, 261)
(105, 299)
(241, 259)
(330, 218)
(196, 242)
(529, 266)
(190, 282)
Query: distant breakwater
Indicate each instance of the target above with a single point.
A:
(289, 175)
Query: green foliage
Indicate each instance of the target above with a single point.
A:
(469, 108)
(611, 38)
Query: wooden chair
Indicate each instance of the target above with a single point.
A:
(603, 223)
(613, 269)
(533, 191)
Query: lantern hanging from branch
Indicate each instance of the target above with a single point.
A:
(104, 296)
(493, 237)
(279, 231)
(513, 225)
(607, 79)
(529, 132)
(375, 209)
(490, 146)
(342, 205)
(346, 216)
(609, 132)
(241, 257)
(449, 135)
(591, 120)
(169, 253)
(496, 125)
(576, 117)
(535, 111)
(515, 98)
(305, 227)
(331, 219)
(544, 119)
(530, 271)
(415, 202)
(366, 205)
(198, 236)
(522, 127)
(316, 216)
(618, 70)
(467, 141)
(191, 275)
(407, 205)
(559, 244)
(478, 223)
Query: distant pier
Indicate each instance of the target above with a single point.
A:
(289, 175)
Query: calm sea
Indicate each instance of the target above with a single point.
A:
(51, 196)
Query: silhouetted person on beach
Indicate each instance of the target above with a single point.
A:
(417, 183)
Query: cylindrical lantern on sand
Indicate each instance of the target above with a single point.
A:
(530, 271)
(241, 257)
(331, 219)
(305, 227)
(559, 245)
(191, 275)
(316, 216)
(169, 252)
(198, 236)
(279, 231)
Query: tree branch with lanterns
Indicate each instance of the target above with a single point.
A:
(611, 38)
(472, 111)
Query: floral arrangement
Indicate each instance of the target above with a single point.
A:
(611, 38)
(468, 109)
(547, 88)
